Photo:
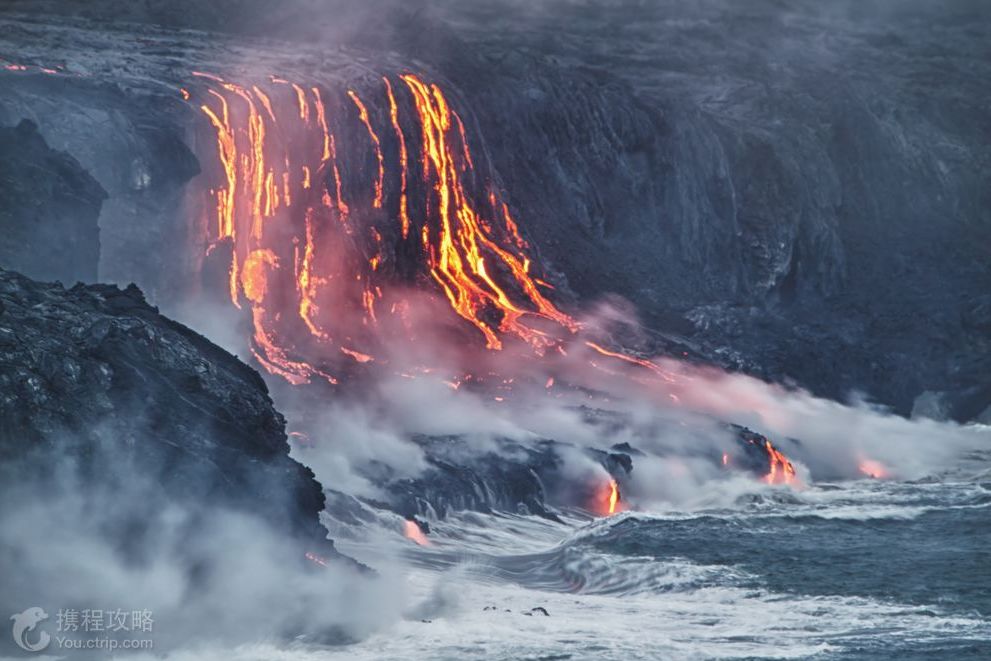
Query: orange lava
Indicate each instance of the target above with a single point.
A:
(412, 532)
(363, 113)
(873, 469)
(457, 259)
(403, 158)
(607, 499)
(613, 496)
(630, 359)
(781, 470)
(275, 141)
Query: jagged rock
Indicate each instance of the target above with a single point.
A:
(49, 208)
(95, 375)
(528, 479)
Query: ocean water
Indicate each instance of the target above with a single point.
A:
(858, 570)
(849, 571)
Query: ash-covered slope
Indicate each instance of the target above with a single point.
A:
(49, 209)
(94, 378)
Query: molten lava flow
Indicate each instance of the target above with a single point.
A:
(412, 532)
(363, 113)
(630, 359)
(403, 158)
(457, 260)
(329, 150)
(607, 500)
(873, 469)
(294, 241)
(613, 496)
(254, 274)
(326, 280)
(780, 469)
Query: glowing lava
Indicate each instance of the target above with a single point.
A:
(412, 532)
(322, 254)
(873, 469)
(780, 470)
(613, 496)
(607, 499)
(458, 250)
(280, 209)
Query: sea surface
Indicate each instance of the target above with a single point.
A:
(858, 570)
(866, 569)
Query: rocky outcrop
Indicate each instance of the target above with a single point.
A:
(94, 376)
(130, 142)
(541, 478)
(49, 209)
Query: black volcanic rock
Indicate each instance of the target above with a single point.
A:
(95, 376)
(49, 208)
(531, 479)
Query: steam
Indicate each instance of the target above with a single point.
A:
(673, 412)
(73, 541)
(206, 573)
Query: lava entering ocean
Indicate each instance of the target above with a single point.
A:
(612, 503)
(351, 225)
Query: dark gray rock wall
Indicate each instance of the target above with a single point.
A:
(49, 209)
(131, 142)
(806, 187)
(95, 376)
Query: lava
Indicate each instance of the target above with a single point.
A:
(780, 469)
(630, 359)
(363, 114)
(403, 158)
(607, 499)
(326, 279)
(613, 496)
(276, 141)
(411, 530)
(873, 469)
(458, 259)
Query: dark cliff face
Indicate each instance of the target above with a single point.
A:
(797, 192)
(128, 142)
(800, 191)
(49, 208)
(94, 376)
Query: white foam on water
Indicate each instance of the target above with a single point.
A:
(472, 592)
(466, 619)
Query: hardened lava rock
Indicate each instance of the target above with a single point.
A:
(92, 378)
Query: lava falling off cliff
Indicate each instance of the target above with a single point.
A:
(328, 214)
(355, 226)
